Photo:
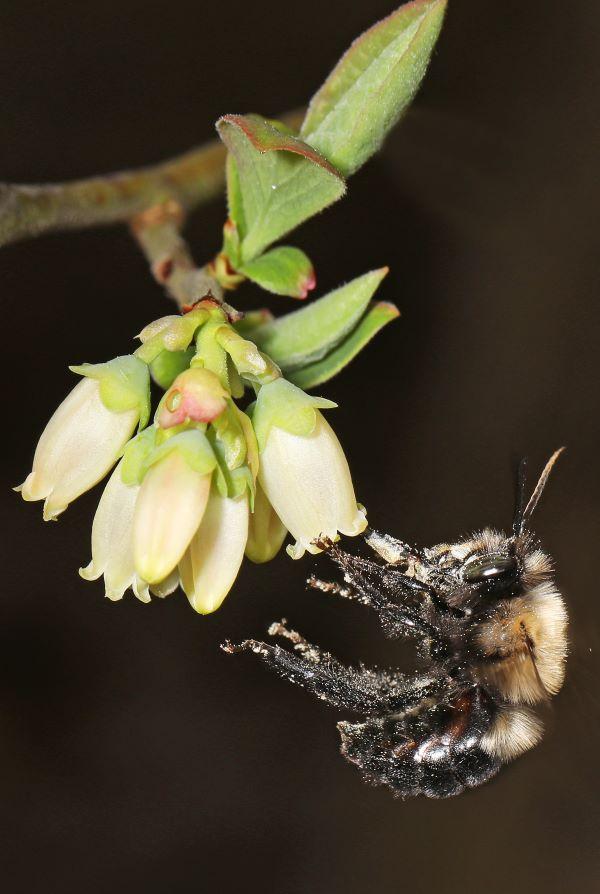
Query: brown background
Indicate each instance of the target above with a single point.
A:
(134, 755)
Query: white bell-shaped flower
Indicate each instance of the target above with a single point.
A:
(79, 445)
(303, 470)
(213, 558)
(112, 544)
(169, 508)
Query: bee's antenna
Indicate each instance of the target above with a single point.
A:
(538, 490)
(521, 482)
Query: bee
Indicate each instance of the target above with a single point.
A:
(491, 631)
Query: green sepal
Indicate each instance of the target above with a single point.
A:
(124, 384)
(230, 435)
(251, 443)
(171, 333)
(266, 532)
(233, 483)
(236, 385)
(220, 480)
(135, 455)
(209, 353)
(230, 482)
(251, 364)
(165, 368)
(316, 373)
(285, 406)
(192, 444)
(308, 334)
(284, 271)
(242, 480)
(372, 85)
(278, 181)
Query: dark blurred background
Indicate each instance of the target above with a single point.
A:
(134, 755)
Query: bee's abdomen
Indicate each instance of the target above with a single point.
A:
(434, 750)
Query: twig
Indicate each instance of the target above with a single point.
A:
(190, 180)
(157, 232)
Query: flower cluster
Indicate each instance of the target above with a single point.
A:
(206, 482)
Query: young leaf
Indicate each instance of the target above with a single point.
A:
(284, 271)
(281, 180)
(316, 373)
(372, 85)
(306, 335)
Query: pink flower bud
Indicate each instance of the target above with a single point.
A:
(196, 395)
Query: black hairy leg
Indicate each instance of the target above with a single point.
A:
(491, 633)
(360, 690)
(400, 601)
(434, 750)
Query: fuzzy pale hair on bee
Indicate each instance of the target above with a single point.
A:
(490, 628)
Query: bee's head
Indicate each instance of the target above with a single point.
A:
(492, 565)
(520, 619)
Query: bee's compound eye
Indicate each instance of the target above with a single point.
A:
(494, 572)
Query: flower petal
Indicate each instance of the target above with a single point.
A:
(169, 508)
(308, 482)
(212, 561)
(112, 541)
(167, 586)
(79, 445)
(266, 533)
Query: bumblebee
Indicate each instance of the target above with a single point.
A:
(491, 632)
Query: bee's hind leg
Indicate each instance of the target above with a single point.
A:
(360, 690)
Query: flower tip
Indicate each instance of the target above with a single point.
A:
(152, 569)
(29, 491)
(295, 550)
(32, 490)
(141, 590)
(89, 572)
(204, 606)
(52, 510)
(359, 522)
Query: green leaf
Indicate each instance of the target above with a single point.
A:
(306, 335)
(281, 181)
(372, 85)
(284, 271)
(252, 319)
(317, 373)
